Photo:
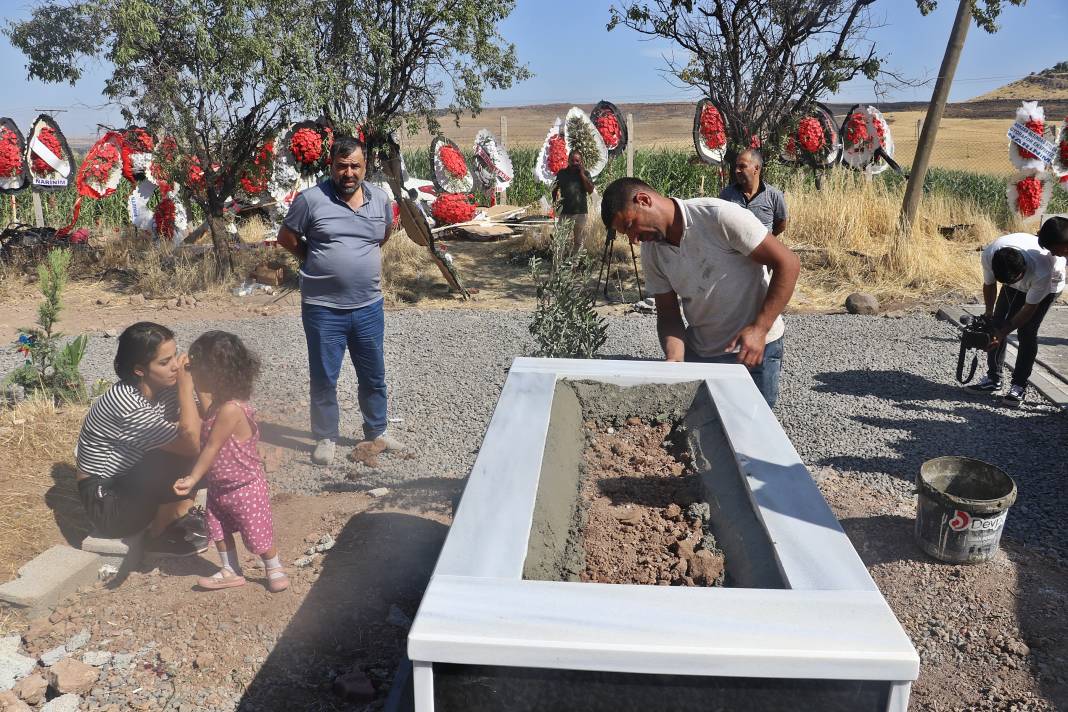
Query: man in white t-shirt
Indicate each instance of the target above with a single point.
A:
(711, 257)
(1031, 271)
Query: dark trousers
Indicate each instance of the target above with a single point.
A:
(1009, 302)
(329, 333)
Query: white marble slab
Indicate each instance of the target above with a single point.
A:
(831, 623)
(842, 635)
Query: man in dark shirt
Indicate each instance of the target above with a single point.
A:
(573, 184)
(750, 191)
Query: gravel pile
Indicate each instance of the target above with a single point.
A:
(869, 397)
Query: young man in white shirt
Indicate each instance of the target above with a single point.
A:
(1031, 270)
(711, 257)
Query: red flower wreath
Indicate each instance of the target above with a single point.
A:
(10, 160)
(810, 134)
(608, 127)
(1028, 196)
(254, 181)
(139, 140)
(857, 130)
(47, 136)
(712, 129)
(1038, 127)
(1064, 143)
(452, 160)
(880, 130)
(307, 145)
(450, 208)
(164, 217)
(195, 174)
(101, 162)
(556, 159)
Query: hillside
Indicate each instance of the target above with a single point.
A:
(1051, 83)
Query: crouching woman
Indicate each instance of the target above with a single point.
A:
(138, 438)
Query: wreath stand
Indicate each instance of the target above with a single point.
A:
(605, 271)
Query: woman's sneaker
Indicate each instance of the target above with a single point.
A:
(985, 386)
(1015, 397)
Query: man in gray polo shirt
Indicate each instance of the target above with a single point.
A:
(750, 191)
(344, 221)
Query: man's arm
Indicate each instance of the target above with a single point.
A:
(587, 184)
(778, 227)
(291, 242)
(778, 218)
(1022, 317)
(669, 326)
(990, 295)
(785, 267)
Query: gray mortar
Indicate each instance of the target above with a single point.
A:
(611, 404)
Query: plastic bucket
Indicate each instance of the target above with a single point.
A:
(961, 506)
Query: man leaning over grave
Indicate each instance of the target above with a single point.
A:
(709, 256)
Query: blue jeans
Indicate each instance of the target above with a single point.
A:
(329, 332)
(765, 376)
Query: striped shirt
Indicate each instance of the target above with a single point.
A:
(121, 426)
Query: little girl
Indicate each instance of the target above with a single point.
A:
(223, 370)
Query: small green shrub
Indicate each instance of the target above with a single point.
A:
(565, 324)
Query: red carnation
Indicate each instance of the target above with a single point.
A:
(1038, 127)
(195, 174)
(1064, 149)
(556, 156)
(754, 141)
(880, 130)
(608, 127)
(139, 140)
(306, 145)
(10, 160)
(101, 162)
(254, 181)
(712, 129)
(451, 208)
(857, 131)
(810, 134)
(1028, 196)
(452, 160)
(164, 218)
(48, 137)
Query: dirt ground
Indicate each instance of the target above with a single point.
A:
(990, 636)
(640, 525)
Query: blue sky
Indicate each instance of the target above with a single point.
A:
(583, 63)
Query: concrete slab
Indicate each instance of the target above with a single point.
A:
(123, 554)
(49, 578)
(1050, 375)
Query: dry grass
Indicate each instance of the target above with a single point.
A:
(408, 273)
(40, 504)
(847, 238)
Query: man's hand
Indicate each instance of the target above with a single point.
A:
(997, 339)
(752, 340)
(185, 485)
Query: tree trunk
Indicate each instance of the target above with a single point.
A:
(220, 240)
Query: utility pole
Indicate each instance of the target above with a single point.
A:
(914, 190)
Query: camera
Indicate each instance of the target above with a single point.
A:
(977, 333)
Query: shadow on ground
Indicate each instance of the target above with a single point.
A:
(66, 506)
(380, 560)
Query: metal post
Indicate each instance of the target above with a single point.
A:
(630, 144)
(914, 190)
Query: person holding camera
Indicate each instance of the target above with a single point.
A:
(1031, 270)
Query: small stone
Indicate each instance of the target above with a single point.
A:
(326, 543)
(77, 641)
(167, 654)
(627, 515)
(53, 656)
(72, 676)
(10, 644)
(673, 512)
(303, 561)
(705, 567)
(862, 303)
(97, 658)
(137, 300)
(174, 303)
(13, 667)
(32, 689)
(111, 333)
(63, 703)
(9, 702)
(378, 492)
(699, 511)
(121, 661)
(354, 687)
(398, 617)
(204, 661)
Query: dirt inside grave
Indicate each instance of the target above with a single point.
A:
(643, 521)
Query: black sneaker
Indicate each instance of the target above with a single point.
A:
(191, 525)
(985, 386)
(168, 546)
(1015, 397)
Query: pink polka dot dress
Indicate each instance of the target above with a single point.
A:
(238, 497)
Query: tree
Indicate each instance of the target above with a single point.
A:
(394, 60)
(217, 76)
(761, 62)
(984, 12)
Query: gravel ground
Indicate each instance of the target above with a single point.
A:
(868, 397)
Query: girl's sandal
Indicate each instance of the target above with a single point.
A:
(277, 581)
(221, 579)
